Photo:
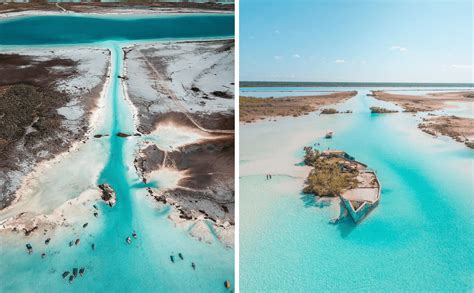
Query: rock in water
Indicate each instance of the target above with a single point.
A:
(65, 274)
(180, 255)
(47, 241)
(74, 272)
(71, 279)
(108, 194)
(81, 271)
(121, 134)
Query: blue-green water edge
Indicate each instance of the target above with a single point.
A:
(143, 266)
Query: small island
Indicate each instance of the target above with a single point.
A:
(380, 110)
(337, 174)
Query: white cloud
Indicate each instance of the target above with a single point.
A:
(277, 31)
(398, 48)
(296, 56)
(462, 66)
(340, 61)
(278, 57)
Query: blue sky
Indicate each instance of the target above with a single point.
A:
(379, 41)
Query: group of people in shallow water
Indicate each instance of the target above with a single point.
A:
(269, 176)
(180, 255)
(129, 239)
(80, 271)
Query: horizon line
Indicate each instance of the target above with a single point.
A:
(248, 83)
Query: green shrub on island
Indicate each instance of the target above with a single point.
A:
(327, 177)
(381, 110)
(311, 156)
(329, 111)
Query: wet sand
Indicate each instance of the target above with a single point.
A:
(253, 109)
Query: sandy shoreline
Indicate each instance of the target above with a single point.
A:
(459, 129)
(75, 118)
(24, 194)
(254, 109)
(107, 11)
(429, 102)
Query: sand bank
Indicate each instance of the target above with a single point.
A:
(77, 76)
(430, 102)
(74, 212)
(253, 109)
(34, 9)
(459, 129)
(184, 95)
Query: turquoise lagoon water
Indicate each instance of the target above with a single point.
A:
(419, 238)
(40, 30)
(143, 266)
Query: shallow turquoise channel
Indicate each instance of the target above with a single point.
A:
(419, 238)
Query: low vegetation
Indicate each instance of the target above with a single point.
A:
(380, 110)
(327, 177)
(458, 128)
(26, 106)
(253, 109)
(329, 111)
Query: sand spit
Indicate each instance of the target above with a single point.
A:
(77, 76)
(195, 78)
(459, 129)
(184, 95)
(74, 212)
(254, 109)
(426, 103)
(34, 9)
(197, 177)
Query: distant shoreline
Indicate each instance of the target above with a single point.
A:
(244, 84)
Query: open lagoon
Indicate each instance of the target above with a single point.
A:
(144, 265)
(419, 238)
